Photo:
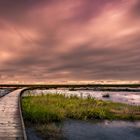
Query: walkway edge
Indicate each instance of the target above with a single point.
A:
(21, 116)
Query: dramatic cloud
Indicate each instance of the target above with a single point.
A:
(67, 40)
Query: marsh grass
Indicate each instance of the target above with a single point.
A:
(45, 111)
(55, 108)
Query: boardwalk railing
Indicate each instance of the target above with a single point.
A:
(21, 116)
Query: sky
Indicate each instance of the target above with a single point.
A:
(69, 40)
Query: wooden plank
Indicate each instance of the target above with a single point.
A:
(10, 121)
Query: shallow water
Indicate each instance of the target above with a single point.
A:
(32, 135)
(4, 91)
(122, 97)
(106, 130)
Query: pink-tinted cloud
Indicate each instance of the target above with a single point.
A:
(69, 40)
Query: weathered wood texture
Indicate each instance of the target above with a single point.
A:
(10, 120)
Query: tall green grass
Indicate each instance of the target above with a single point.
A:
(54, 108)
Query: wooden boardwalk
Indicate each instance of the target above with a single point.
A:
(10, 117)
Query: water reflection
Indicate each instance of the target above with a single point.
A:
(123, 97)
(106, 130)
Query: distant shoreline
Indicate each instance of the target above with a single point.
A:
(70, 85)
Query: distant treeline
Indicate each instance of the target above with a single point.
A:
(70, 85)
(103, 87)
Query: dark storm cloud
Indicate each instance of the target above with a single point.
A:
(135, 10)
(16, 11)
(99, 62)
(11, 9)
(69, 40)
